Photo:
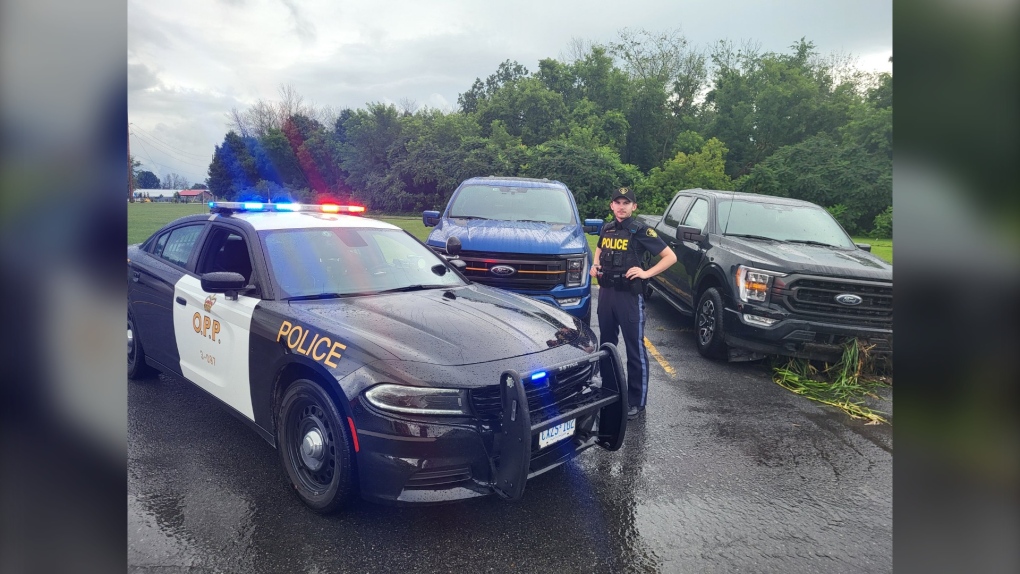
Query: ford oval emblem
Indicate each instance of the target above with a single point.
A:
(502, 270)
(848, 299)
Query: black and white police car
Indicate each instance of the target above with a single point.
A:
(368, 360)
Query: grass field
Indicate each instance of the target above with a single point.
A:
(146, 218)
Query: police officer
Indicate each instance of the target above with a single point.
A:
(621, 247)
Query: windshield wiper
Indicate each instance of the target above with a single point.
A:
(316, 296)
(469, 217)
(749, 236)
(809, 242)
(413, 288)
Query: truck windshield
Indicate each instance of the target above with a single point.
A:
(797, 223)
(339, 262)
(541, 204)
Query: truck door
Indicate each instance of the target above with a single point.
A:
(675, 276)
(690, 256)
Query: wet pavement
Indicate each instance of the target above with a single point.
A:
(725, 472)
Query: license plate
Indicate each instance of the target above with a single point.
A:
(556, 433)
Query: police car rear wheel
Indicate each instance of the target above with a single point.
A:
(708, 323)
(137, 367)
(315, 447)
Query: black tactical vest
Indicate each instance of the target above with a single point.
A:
(619, 250)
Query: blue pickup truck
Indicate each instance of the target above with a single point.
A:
(520, 234)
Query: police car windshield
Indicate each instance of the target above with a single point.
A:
(781, 222)
(338, 262)
(532, 204)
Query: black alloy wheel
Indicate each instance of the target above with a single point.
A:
(708, 323)
(136, 365)
(315, 447)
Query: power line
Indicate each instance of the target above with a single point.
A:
(149, 135)
(170, 169)
(174, 156)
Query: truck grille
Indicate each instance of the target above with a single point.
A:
(562, 391)
(532, 272)
(817, 297)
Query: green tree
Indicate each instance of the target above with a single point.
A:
(705, 168)
(232, 172)
(147, 180)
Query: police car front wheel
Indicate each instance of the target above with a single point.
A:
(315, 447)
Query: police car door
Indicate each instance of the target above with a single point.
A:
(212, 330)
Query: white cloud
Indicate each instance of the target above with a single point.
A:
(191, 61)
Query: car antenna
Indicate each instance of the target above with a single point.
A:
(728, 212)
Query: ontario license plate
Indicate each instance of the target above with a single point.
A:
(556, 433)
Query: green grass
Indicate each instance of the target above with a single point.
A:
(145, 218)
(882, 248)
(845, 385)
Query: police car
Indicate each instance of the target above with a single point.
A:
(370, 362)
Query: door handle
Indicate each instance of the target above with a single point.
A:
(182, 301)
(135, 276)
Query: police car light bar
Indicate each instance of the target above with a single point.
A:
(249, 206)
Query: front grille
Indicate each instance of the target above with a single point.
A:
(562, 392)
(437, 479)
(817, 297)
(533, 272)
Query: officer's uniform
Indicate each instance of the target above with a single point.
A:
(622, 301)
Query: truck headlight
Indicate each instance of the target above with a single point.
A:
(416, 400)
(753, 284)
(575, 271)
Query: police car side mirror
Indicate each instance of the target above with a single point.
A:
(593, 226)
(688, 233)
(430, 218)
(227, 282)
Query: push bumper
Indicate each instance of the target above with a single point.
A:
(429, 460)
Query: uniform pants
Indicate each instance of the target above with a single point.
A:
(625, 311)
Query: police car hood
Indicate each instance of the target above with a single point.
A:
(459, 326)
(511, 236)
(817, 259)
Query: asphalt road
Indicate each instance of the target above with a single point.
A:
(725, 472)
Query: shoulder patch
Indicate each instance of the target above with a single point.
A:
(651, 232)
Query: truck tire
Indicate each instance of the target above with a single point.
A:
(708, 325)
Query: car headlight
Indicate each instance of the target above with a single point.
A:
(416, 400)
(575, 271)
(753, 284)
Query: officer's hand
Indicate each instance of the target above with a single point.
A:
(595, 270)
(636, 273)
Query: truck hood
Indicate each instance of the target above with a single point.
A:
(460, 326)
(814, 259)
(511, 236)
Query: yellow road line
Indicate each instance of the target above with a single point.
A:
(658, 357)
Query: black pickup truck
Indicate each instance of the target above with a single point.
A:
(771, 275)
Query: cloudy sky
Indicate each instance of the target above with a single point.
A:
(191, 61)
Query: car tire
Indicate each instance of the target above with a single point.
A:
(315, 447)
(708, 325)
(137, 368)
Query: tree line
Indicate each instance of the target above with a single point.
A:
(648, 111)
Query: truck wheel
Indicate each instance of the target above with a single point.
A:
(315, 447)
(708, 323)
(136, 366)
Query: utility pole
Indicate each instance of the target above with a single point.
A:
(131, 180)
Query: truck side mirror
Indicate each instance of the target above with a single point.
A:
(453, 246)
(593, 226)
(688, 233)
(430, 218)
